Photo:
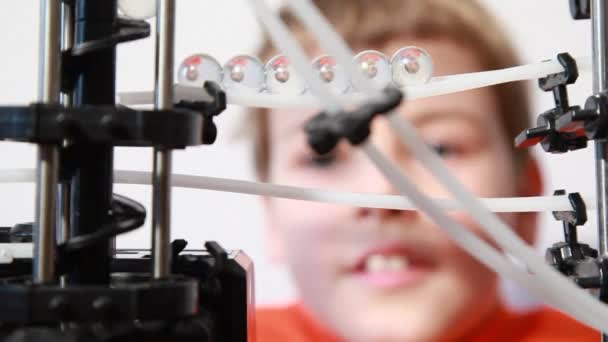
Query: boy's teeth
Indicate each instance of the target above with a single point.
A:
(381, 263)
(396, 263)
(375, 263)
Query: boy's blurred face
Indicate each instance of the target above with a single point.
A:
(383, 275)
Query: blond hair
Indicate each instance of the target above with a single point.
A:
(369, 24)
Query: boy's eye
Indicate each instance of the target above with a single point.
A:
(322, 161)
(444, 150)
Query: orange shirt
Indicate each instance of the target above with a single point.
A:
(293, 324)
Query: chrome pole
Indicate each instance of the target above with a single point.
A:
(67, 41)
(599, 30)
(46, 180)
(600, 83)
(163, 99)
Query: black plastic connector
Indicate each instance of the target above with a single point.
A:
(324, 131)
(219, 254)
(557, 82)
(571, 218)
(580, 9)
(20, 233)
(553, 133)
(570, 257)
(111, 125)
(209, 109)
(591, 121)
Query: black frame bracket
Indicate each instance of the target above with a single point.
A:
(325, 131)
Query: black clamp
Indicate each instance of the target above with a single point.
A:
(567, 128)
(19, 233)
(114, 125)
(574, 259)
(556, 138)
(580, 9)
(590, 121)
(324, 131)
(208, 109)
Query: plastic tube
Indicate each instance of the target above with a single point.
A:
(367, 200)
(554, 282)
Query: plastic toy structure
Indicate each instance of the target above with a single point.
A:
(61, 278)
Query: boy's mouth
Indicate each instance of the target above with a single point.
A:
(391, 267)
(378, 263)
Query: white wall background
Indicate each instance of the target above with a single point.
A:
(540, 29)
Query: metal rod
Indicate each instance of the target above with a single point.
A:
(46, 195)
(163, 99)
(46, 180)
(67, 41)
(63, 223)
(161, 229)
(50, 51)
(600, 83)
(599, 29)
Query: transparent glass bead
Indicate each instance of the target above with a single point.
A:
(281, 77)
(138, 9)
(244, 73)
(411, 65)
(332, 74)
(375, 66)
(197, 69)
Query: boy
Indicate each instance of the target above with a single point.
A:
(385, 275)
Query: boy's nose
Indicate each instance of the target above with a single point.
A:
(374, 181)
(382, 214)
(377, 183)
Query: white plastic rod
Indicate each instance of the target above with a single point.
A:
(366, 200)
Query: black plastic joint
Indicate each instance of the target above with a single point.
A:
(219, 254)
(578, 215)
(218, 104)
(568, 76)
(321, 133)
(211, 108)
(325, 131)
(580, 9)
(177, 246)
(357, 126)
(596, 116)
(208, 109)
(392, 99)
(588, 282)
(209, 131)
(562, 128)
